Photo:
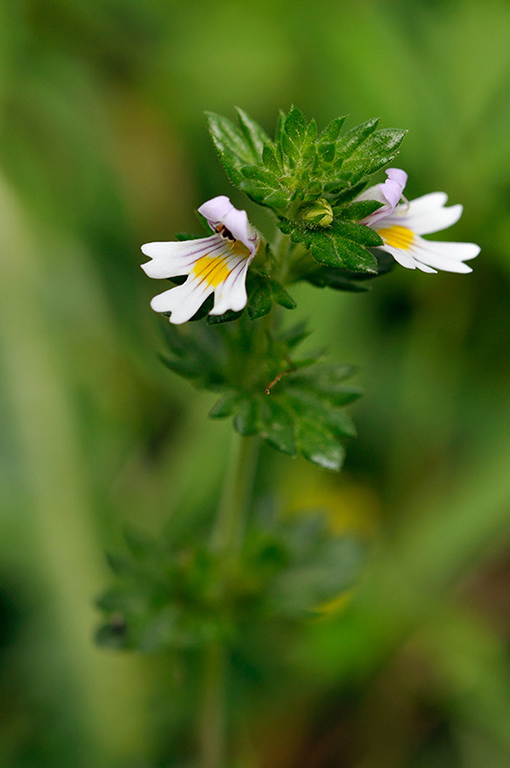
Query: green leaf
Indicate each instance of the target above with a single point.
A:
(310, 138)
(260, 301)
(255, 135)
(359, 210)
(343, 192)
(339, 245)
(119, 565)
(327, 380)
(357, 233)
(296, 141)
(234, 149)
(279, 125)
(278, 137)
(327, 151)
(290, 151)
(303, 412)
(199, 354)
(269, 159)
(293, 336)
(334, 250)
(246, 420)
(332, 131)
(319, 445)
(263, 187)
(295, 125)
(280, 295)
(277, 426)
(374, 153)
(186, 369)
(338, 279)
(319, 410)
(383, 146)
(326, 568)
(356, 136)
(225, 406)
(262, 175)
(344, 280)
(265, 192)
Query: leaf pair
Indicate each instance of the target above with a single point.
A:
(168, 594)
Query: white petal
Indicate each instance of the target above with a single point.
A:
(435, 221)
(425, 268)
(231, 294)
(449, 257)
(183, 301)
(177, 247)
(426, 203)
(402, 257)
(426, 221)
(170, 259)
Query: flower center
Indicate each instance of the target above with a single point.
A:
(212, 269)
(397, 237)
(224, 232)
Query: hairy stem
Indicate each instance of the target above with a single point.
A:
(226, 541)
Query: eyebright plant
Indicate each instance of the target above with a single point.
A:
(331, 231)
(193, 591)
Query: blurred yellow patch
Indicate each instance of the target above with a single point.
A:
(349, 507)
(336, 605)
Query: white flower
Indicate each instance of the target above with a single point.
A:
(217, 264)
(401, 226)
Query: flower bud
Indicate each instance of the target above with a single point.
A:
(320, 214)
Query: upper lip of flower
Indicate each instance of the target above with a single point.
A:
(216, 264)
(389, 193)
(220, 213)
(401, 226)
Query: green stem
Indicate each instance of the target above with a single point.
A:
(228, 533)
(226, 541)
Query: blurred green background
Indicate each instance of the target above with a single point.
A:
(103, 146)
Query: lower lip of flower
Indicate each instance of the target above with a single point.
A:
(397, 237)
(212, 269)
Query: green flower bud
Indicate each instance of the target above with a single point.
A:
(319, 214)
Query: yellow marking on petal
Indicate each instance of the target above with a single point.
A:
(213, 269)
(398, 237)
